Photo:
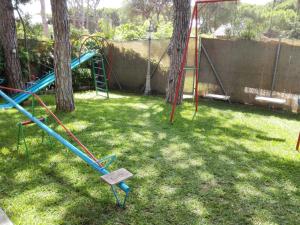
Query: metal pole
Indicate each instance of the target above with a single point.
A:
(275, 68)
(214, 70)
(196, 59)
(148, 76)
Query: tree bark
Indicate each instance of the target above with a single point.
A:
(8, 36)
(44, 18)
(182, 16)
(82, 15)
(62, 57)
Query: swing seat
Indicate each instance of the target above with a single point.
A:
(217, 97)
(27, 122)
(117, 176)
(279, 101)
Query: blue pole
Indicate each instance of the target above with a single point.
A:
(63, 141)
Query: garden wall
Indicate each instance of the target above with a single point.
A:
(245, 67)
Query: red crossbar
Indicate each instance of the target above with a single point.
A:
(214, 1)
(27, 122)
(85, 149)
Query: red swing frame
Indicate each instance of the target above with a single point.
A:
(184, 57)
(298, 143)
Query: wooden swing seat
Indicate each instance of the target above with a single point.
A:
(217, 97)
(117, 176)
(272, 100)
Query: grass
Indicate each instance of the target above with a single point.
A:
(230, 164)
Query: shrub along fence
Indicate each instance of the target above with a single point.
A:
(39, 61)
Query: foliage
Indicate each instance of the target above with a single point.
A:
(130, 31)
(221, 166)
(106, 29)
(83, 14)
(252, 21)
(249, 30)
(82, 78)
(149, 9)
(279, 20)
(164, 30)
(111, 15)
(33, 31)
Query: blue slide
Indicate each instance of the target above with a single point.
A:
(47, 80)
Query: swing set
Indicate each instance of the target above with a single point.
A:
(181, 72)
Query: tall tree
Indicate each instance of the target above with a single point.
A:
(149, 9)
(9, 44)
(84, 14)
(182, 16)
(62, 56)
(44, 18)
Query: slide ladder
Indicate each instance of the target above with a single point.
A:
(100, 77)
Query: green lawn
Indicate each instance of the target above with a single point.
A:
(230, 164)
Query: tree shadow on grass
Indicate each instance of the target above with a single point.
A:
(171, 189)
(199, 171)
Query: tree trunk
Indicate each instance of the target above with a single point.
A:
(44, 18)
(182, 15)
(62, 56)
(9, 43)
(82, 15)
(88, 15)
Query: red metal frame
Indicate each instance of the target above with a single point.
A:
(298, 143)
(214, 1)
(196, 60)
(184, 57)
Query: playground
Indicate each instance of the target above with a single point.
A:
(199, 126)
(220, 167)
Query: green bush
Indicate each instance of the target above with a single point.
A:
(130, 31)
(40, 59)
(164, 30)
(82, 77)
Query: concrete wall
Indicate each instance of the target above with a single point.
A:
(245, 67)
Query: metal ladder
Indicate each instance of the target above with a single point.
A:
(99, 74)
